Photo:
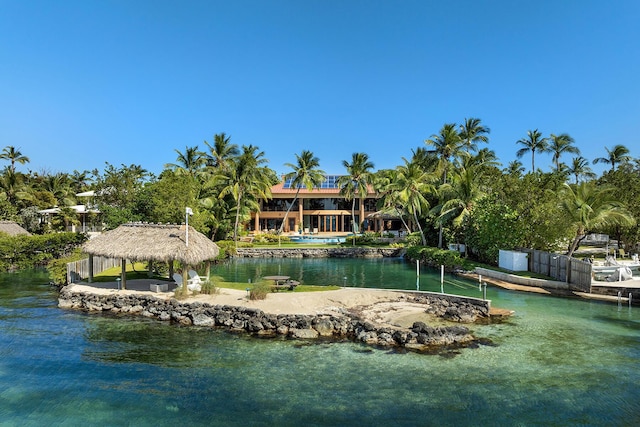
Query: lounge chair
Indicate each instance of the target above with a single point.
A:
(177, 277)
(193, 277)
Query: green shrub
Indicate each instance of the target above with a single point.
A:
(23, 251)
(435, 257)
(414, 239)
(57, 268)
(209, 287)
(260, 290)
(270, 238)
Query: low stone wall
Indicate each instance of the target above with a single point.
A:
(337, 252)
(419, 337)
(631, 288)
(453, 307)
(519, 280)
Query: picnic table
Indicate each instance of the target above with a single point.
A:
(282, 282)
(277, 279)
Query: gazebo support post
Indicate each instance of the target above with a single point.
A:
(171, 270)
(90, 268)
(185, 280)
(123, 273)
(208, 270)
(150, 272)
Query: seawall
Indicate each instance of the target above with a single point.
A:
(337, 252)
(347, 326)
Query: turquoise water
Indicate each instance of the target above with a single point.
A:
(556, 362)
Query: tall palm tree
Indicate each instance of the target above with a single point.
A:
(356, 183)
(247, 181)
(458, 196)
(580, 168)
(426, 159)
(14, 155)
(589, 207)
(472, 132)
(386, 188)
(533, 142)
(221, 152)
(306, 173)
(446, 145)
(561, 144)
(412, 184)
(189, 161)
(618, 154)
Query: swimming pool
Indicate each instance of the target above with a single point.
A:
(318, 239)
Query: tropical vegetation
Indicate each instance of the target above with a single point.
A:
(452, 189)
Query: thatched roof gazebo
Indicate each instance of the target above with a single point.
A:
(152, 242)
(12, 228)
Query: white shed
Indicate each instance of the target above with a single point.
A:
(513, 260)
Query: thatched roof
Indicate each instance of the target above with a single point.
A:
(12, 228)
(153, 242)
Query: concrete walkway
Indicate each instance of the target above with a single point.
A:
(565, 293)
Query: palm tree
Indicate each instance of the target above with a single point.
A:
(14, 156)
(446, 145)
(580, 167)
(59, 185)
(472, 132)
(80, 180)
(190, 161)
(12, 187)
(484, 158)
(426, 159)
(222, 152)
(559, 145)
(356, 183)
(589, 207)
(533, 142)
(458, 197)
(386, 188)
(247, 181)
(515, 168)
(306, 173)
(619, 154)
(411, 184)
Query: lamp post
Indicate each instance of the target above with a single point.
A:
(188, 212)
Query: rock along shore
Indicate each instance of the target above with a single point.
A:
(342, 324)
(334, 252)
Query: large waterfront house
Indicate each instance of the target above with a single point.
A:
(321, 210)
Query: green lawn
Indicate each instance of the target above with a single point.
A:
(112, 274)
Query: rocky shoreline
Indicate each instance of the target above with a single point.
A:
(342, 325)
(334, 252)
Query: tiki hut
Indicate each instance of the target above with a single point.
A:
(12, 228)
(152, 242)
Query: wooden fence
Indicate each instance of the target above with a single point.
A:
(79, 270)
(575, 272)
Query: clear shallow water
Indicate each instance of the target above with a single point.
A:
(556, 362)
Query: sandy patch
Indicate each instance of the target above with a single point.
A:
(382, 307)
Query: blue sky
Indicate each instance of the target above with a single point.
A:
(129, 81)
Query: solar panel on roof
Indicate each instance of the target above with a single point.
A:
(330, 181)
